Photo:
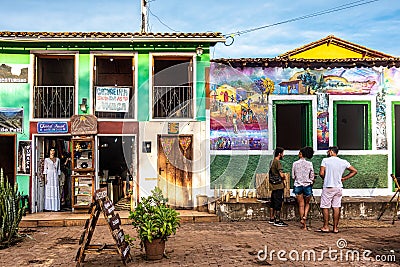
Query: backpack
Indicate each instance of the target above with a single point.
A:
(273, 179)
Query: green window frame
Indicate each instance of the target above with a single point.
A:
(366, 121)
(307, 135)
(395, 141)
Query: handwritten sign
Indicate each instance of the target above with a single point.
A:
(114, 222)
(125, 250)
(52, 127)
(109, 207)
(112, 99)
(101, 193)
(120, 237)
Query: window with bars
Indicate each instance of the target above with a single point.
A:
(54, 89)
(114, 87)
(172, 87)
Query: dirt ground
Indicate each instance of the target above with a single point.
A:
(222, 244)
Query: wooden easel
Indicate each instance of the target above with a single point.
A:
(100, 204)
(397, 193)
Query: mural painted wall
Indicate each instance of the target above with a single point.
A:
(238, 171)
(239, 100)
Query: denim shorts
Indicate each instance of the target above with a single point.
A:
(303, 190)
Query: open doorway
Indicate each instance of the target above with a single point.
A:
(62, 146)
(117, 166)
(7, 156)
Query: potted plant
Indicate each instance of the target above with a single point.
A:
(154, 222)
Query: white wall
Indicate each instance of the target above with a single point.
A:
(148, 169)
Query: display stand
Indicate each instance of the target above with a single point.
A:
(121, 247)
(83, 163)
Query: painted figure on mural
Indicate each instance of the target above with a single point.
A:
(52, 172)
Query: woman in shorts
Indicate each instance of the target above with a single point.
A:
(303, 176)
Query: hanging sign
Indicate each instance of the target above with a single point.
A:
(52, 127)
(112, 99)
(83, 125)
(11, 120)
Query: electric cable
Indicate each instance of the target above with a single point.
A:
(319, 13)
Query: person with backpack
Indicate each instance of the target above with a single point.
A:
(276, 177)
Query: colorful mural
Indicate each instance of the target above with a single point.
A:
(239, 99)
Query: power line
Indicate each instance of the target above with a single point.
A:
(159, 18)
(319, 13)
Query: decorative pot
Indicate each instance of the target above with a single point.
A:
(155, 249)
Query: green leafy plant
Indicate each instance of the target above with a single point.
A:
(10, 212)
(153, 219)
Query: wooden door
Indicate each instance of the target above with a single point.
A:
(175, 169)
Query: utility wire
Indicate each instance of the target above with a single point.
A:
(160, 20)
(319, 13)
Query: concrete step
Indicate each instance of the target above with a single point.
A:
(64, 219)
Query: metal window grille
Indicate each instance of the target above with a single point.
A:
(172, 102)
(53, 101)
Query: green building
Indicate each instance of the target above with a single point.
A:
(146, 92)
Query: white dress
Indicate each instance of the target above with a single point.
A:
(52, 187)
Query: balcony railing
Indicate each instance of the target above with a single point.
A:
(172, 102)
(53, 101)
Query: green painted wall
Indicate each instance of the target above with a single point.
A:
(239, 171)
(84, 80)
(18, 95)
(202, 63)
(143, 87)
(13, 95)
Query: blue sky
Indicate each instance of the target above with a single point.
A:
(375, 25)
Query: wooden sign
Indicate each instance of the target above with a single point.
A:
(109, 208)
(120, 237)
(101, 193)
(102, 204)
(83, 125)
(125, 251)
(114, 222)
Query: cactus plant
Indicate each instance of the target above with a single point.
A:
(10, 212)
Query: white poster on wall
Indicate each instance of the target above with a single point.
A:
(112, 99)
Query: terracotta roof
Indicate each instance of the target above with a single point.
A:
(112, 36)
(310, 63)
(331, 39)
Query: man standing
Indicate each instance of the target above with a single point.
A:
(332, 169)
(276, 177)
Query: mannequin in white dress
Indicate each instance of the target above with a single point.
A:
(52, 183)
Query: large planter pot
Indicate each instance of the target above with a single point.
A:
(155, 249)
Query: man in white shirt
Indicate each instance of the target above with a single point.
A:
(332, 169)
